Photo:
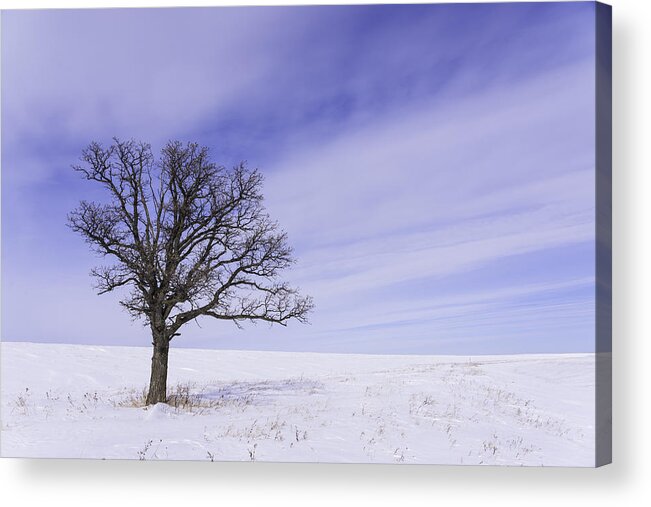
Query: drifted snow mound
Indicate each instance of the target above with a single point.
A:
(158, 411)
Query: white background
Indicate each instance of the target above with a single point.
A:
(626, 482)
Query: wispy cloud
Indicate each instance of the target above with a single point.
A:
(433, 165)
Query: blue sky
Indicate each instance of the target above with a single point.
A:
(433, 165)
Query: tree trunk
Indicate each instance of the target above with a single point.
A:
(158, 381)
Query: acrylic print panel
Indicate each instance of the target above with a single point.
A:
(370, 234)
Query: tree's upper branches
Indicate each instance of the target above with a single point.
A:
(189, 237)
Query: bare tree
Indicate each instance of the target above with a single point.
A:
(190, 238)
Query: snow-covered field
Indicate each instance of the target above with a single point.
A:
(84, 402)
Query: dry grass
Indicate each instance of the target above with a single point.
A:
(186, 397)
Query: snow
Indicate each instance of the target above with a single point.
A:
(81, 401)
